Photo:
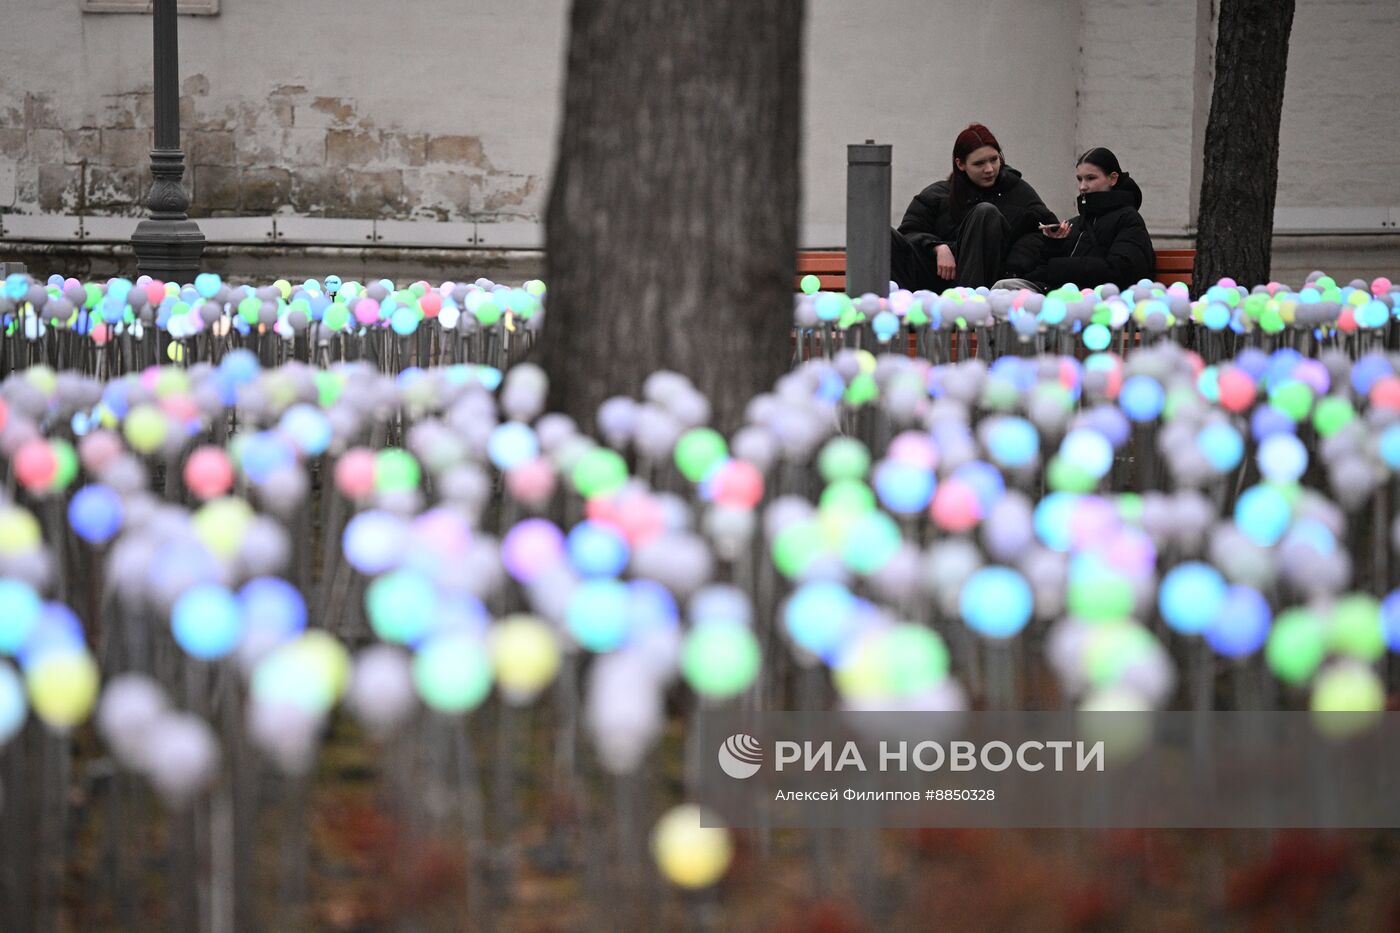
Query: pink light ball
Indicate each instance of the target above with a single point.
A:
(98, 450)
(738, 485)
(531, 482)
(955, 507)
(208, 472)
(36, 465)
(354, 473)
(1381, 286)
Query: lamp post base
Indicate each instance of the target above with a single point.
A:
(168, 250)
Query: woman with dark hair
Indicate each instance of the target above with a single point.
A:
(1107, 243)
(978, 224)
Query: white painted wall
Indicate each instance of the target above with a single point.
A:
(913, 73)
(1050, 77)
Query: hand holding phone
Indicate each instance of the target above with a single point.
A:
(1055, 231)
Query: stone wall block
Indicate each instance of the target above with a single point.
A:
(60, 189)
(265, 190)
(352, 147)
(81, 145)
(216, 188)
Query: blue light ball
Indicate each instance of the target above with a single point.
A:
(95, 513)
(1242, 625)
(596, 549)
(996, 602)
(207, 622)
(1191, 597)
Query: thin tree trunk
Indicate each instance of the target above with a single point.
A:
(671, 232)
(1235, 227)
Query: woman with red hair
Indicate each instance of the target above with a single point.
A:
(978, 225)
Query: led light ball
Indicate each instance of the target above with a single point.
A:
(354, 473)
(35, 465)
(1191, 597)
(207, 622)
(871, 541)
(531, 482)
(1221, 445)
(452, 673)
(20, 609)
(374, 541)
(525, 653)
(531, 548)
(691, 855)
(955, 506)
(221, 525)
(1296, 647)
(308, 428)
(1282, 458)
(597, 550)
(1012, 442)
(843, 458)
(1242, 625)
(1263, 514)
(820, 617)
(899, 661)
(273, 609)
(208, 472)
(62, 687)
(599, 472)
(996, 602)
(597, 614)
(95, 513)
(720, 660)
(737, 484)
(145, 428)
(699, 451)
(1089, 450)
(1355, 629)
(1347, 699)
(396, 470)
(1141, 398)
(904, 488)
(511, 444)
(400, 605)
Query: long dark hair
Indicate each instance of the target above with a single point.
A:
(974, 137)
(1101, 158)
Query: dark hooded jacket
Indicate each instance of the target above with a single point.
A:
(1107, 242)
(929, 220)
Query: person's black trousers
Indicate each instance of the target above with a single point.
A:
(984, 239)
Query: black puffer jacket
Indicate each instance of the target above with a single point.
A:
(1107, 242)
(929, 220)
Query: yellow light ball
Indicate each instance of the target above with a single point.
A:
(62, 688)
(144, 428)
(176, 352)
(525, 654)
(19, 531)
(690, 855)
(221, 525)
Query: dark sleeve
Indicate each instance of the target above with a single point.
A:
(1129, 258)
(919, 221)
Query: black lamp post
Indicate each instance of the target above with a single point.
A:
(167, 244)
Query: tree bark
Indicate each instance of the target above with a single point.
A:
(1234, 232)
(671, 231)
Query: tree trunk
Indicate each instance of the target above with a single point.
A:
(1234, 233)
(671, 232)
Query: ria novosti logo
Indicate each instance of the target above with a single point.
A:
(741, 756)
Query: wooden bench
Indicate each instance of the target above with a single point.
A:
(829, 266)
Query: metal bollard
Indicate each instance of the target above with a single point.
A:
(868, 218)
